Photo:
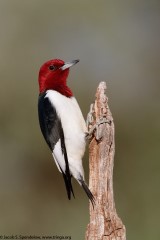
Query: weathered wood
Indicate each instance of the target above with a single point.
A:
(104, 221)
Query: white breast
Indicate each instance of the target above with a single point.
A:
(74, 128)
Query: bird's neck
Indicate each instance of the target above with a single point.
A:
(64, 90)
(61, 88)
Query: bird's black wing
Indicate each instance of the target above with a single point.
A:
(52, 131)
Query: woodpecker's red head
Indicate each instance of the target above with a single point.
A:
(53, 75)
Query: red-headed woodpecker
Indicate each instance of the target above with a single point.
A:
(62, 123)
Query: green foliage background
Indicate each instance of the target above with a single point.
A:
(117, 42)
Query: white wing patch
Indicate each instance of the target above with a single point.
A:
(59, 157)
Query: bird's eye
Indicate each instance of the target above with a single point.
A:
(52, 67)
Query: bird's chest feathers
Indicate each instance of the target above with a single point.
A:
(68, 112)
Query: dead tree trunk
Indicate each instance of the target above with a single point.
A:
(104, 221)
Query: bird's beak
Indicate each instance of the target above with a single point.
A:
(69, 64)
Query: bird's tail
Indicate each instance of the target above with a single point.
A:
(68, 185)
(88, 192)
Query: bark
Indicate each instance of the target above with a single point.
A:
(104, 221)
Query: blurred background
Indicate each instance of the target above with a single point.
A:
(117, 42)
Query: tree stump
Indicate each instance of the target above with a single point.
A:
(104, 221)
